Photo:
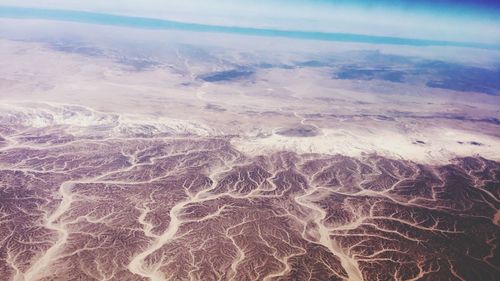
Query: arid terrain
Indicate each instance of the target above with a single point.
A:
(214, 164)
(177, 208)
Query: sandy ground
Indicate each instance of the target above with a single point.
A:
(389, 119)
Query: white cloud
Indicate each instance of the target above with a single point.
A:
(296, 15)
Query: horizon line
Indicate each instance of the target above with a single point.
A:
(12, 12)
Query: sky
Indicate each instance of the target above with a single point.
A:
(475, 21)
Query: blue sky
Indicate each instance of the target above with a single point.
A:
(439, 20)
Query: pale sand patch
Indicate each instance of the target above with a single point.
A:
(441, 144)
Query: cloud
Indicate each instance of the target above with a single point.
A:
(399, 20)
